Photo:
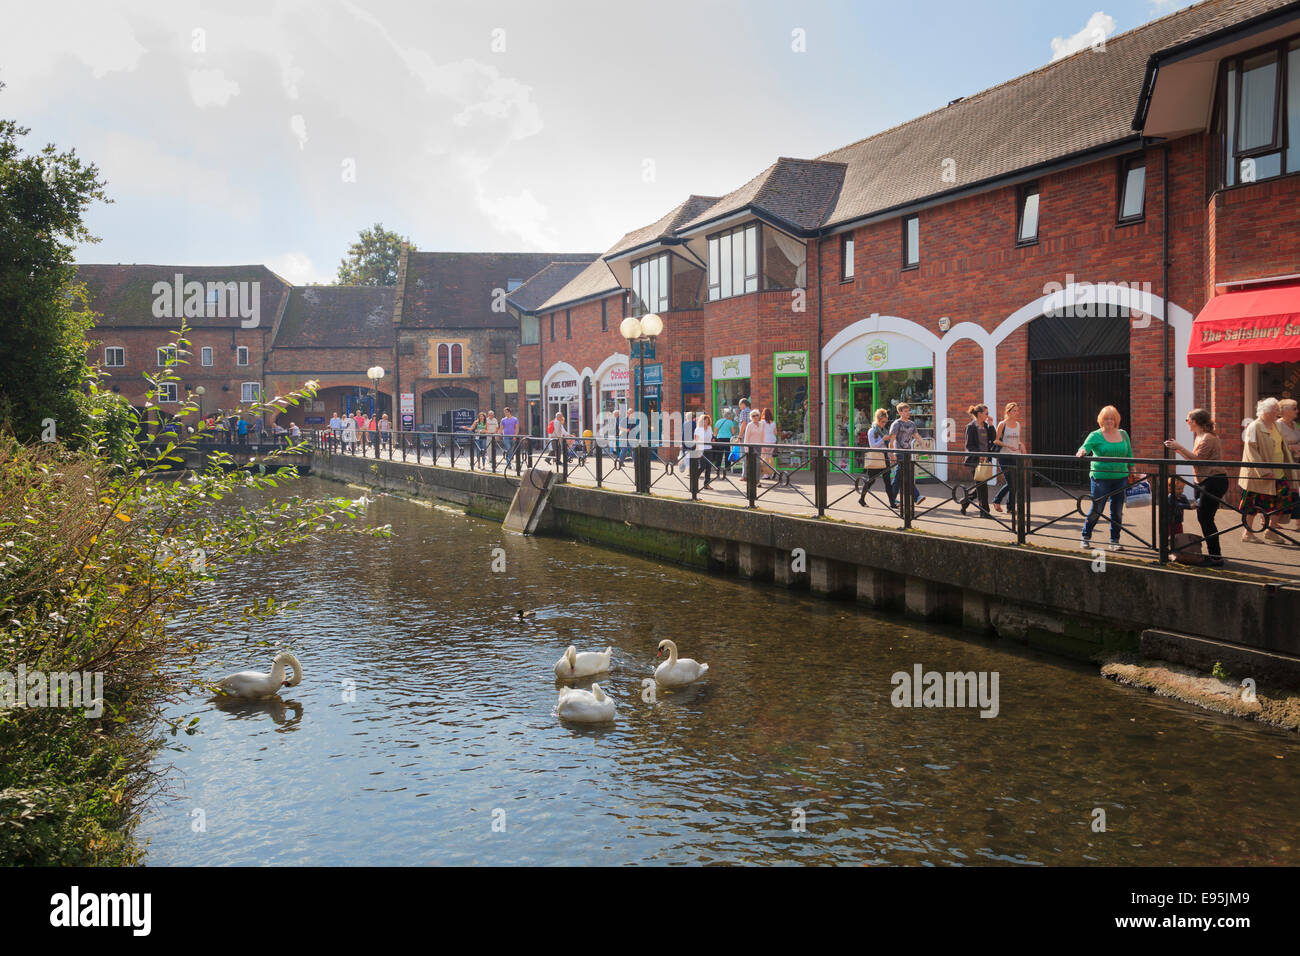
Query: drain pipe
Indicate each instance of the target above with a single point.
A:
(1164, 296)
(821, 377)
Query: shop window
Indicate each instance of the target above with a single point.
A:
(1133, 187)
(846, 256)
(1027, 215)
(114, 357)
(911, 242)
(791, 413)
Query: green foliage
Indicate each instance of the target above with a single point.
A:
(105, 552)
(1219, 671)
(45, 316)
(372, 259)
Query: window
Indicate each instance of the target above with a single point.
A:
(205, 356)
(846, 257)
(1132, 189)
(604, 315)
(650, 285)
(528, 330)
(167, 356)
(512, 284)
(911, 242)
(444, 359)
(1027, 214)
(241, 355)
(733, 262)
(1258, 116)
(114, 357)
(457, 359)
(568, 324)
(250, 392)
(167, 393)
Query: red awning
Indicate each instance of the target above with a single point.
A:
(1241, 327)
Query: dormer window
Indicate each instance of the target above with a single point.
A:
(650, 285)
(1258, 116)
(733, 262)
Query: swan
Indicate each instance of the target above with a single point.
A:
(254, 685)
(573, 665)
(677, 673)
(592, 707)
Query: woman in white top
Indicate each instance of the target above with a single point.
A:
(1008, 439)
(703, 437)
(769, 441)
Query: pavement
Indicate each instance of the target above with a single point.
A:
(1055, 516)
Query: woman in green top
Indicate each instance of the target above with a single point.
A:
(1108, 479)
(479, 429)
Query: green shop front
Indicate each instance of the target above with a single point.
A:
(790, 408)
(731, 382)
(879, 370)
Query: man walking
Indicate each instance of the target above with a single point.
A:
(902, 434)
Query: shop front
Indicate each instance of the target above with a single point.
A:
(790, 391)
(878, 370)
(693, 397)
(649, 395)
(614, 389)
(731, 382)
(1259, 329)
(562, 397)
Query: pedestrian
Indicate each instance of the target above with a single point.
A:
(1108, 480)
(385, 429)
(558, 434)
(241, 429)
(768, 459)
(1211, 480)
(478, 429)
(1266, 491)
(1007, 439)
(877, 460)
(493, 429)
(688, 439)
(702, 446)
(509, 429)
(1291, 435)
(724, 434)
(295, 433)
(902, 435)
(980, 437)
(349, 434)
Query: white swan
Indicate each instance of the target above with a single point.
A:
(573, 665)
(592, 707)
(677, 673)
(254, 685)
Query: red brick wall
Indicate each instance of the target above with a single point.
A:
(1255, 230)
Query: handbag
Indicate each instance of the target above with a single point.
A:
(1187, 549)
(984, 472)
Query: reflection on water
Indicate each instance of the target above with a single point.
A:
(428, 705)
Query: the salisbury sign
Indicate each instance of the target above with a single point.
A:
(212, 300)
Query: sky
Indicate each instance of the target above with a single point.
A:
(274, 131)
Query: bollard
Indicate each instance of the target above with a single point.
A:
(821, 470)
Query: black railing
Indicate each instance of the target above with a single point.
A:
(819, 478)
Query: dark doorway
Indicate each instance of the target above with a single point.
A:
(1067, 395)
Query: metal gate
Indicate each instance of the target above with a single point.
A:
(1067, 395)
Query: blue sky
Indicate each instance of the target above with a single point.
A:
(274, 130)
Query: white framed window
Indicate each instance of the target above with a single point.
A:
(114, 356)
(241, 355)
(166, 356)
(167, 393)
(205, 356)
(733, 262)
(250, 392)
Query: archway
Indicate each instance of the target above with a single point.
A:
(448, 407)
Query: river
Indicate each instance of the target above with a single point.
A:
(425, 729)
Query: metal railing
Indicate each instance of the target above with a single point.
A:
(821, 477)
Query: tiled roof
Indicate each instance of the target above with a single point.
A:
(338, 316)
(1075, 104)
(1229, 15)
(665, 226)
(799, 192)
(530, 296)
(124, 296)
(595, 280)
(456, 290)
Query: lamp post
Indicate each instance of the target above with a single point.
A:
(643, 330)
(200, 391)
(374, 373)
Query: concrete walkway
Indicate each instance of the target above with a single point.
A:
(939, 514)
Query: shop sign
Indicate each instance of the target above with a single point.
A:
(877, 353)
(731, 366)
(563, 390)
(790, 363)
(408, 403)
(618, 378)
(654, 374)
(692, 373)
(462, 418)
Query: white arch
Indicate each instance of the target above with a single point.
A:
(1131, 298)
(918, 333)
(559, 368)
(615, 360)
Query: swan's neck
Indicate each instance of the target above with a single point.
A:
(672, 653)
(598, 693)
(297, 671)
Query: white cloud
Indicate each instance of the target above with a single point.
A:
(139, 169)
(211, 88)
(520, 215)
(297, 267)
(1099, 26)
(35, 46)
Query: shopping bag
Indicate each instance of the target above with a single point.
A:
(983, 471)
(736, 454)
(1138, 494)
(1187, 549)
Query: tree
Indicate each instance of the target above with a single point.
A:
(372, 260)
(44, 315)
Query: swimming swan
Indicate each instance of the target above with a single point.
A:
(677, 673)
(585, 707)
(254, 685)
(573, 665)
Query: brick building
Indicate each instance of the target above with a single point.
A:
(1010, 246)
